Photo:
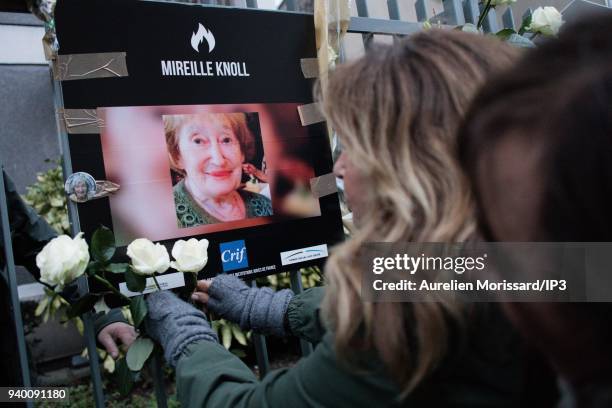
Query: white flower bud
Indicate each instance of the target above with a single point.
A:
(190, 256)
(546, 20)
(63, 260)
(148, 258)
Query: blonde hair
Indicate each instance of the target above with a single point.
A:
(397, 110)
(237, 122)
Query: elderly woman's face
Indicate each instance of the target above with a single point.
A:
(210, 154)
(80, 190)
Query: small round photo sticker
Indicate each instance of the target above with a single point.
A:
(80, 187)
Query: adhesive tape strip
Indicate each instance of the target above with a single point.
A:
(323, 185)
(310, 114)
(69, 67)
(310, 67)
(83, 121)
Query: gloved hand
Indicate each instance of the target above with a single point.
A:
(175, 324)
(260, 309)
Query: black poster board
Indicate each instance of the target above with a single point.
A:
(176, 70)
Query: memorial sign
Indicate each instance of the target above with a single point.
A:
(192, 111)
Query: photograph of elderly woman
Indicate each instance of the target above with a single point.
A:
(187, 170)
(80, 187)
(210, 154)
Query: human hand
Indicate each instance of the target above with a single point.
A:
(111, 334)
(175, 324)
(260, 309)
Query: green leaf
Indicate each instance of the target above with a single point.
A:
(42, 305)
(505, 33)
(215, 326)
(138, 353)
(226, 336)
(124, 377)
(117, 267)
(56, 202)
(103, 244)
(82, 305)
(94, 267)
(526, 23)
(135, 283)
(239, 335)
(238, 353)
(138, 308)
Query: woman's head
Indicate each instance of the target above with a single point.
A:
(396, 112)
(82, 185)
(537, 142)
(537, 145)
(208, 149)
(81, 189)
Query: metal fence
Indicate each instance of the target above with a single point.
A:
(455, 12)
(10, 280)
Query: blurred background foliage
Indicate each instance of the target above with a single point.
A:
(47, 197)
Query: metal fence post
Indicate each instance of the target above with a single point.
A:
(158, 381)
(291, 5)
(508, 19)
(490, 22)
(422, 10)
(296, 286)
(471, 11)
(92, 353)
(75, 228)
(362, 11)
(453, 11)
(261, 351)
(394, 14)
(11, 281)
(393, 8)
(526, 14)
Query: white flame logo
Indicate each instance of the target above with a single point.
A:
(197, 38)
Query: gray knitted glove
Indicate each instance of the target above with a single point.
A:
(175, 324)
(260, 309)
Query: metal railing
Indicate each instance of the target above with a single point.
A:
(10, 278)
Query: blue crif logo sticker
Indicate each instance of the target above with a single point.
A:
(233, 255)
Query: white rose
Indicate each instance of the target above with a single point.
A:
(63, 260)
(148, 258)
(546, 20)
(190, 256)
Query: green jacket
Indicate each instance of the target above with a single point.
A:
(486, 372)
(189, 213)
(29, 232)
